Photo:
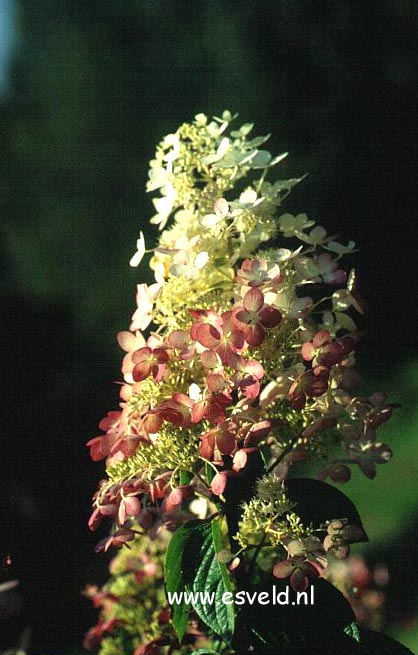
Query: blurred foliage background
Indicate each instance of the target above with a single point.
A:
(87, 89)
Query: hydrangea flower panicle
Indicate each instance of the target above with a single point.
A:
(250, 367)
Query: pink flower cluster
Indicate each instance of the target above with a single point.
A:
(230, 404)
(217, 344)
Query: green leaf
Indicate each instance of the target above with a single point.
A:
(265, 452)
(209, 472)
(318, 502)
(185, 477)
(235, 158)
(191, 566)
(297, 628)
(212, 576)
(258, 141)
(261, 160)
(204, 651)
(179, 569)
(353, 631)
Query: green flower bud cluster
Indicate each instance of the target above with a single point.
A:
(268, 518)
(271, 490)
(176, 449)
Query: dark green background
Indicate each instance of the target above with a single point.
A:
(93, 87)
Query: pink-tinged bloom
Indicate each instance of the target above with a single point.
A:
(337, 472)
(127, 388)
(323, 351)
(221, 209)
(206, 323)
(255, 273)
(212, 403)
(134, 486)
(151, 422)
(95, 519)
(145, 297)
(95, 635)
(129, 506)
(149, 361)
(129, 343)
(99, 597)
(231, 340)
(219, 482)
(382, 410)
(109, 510)
(300, 571)
(367, 456)
(240, 459)
(220, 440)
(117, 539)
(154, 519)
(211, 360)
(340, 535)
(254, 316)
(101, 446)
(125, 446)
(279, 388)
(217, 383)
(223, 339)
(177, 410)
(257, 433)
(211, 407)
(308, 385)
(248, 374)
(158, 487)
(111, 421)
(180, 341)
(176, 497)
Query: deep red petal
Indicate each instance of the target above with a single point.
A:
(141, 371)
(299, 581)
(269, 316)
(254, 334)
(208, 335)
(226, 442)
(99, 449)
(198, 411)
(207, 446)
(250, 387)
(161, 355)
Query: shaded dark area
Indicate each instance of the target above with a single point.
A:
(402, 596)
(94, 86)
(46, 479)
